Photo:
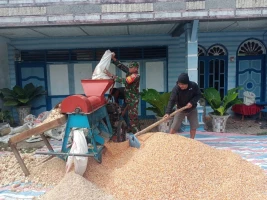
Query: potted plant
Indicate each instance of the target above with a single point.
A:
(21, 98)
(220, 106)
(5, 116)
(6, 120)
(159, 103)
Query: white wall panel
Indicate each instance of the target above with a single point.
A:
(81, 71)
(155, 75)
(59, 79)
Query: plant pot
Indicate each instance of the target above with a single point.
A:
(4, 129)
(164, 126)
(23, 111)
(219, 122)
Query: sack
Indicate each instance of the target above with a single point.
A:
(249, 98)
(32, 121)
(20, 129)
(102, 65)
(79, 146)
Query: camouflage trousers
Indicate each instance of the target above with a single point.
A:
(133, 116)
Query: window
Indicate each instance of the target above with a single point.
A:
(212, 68)
(251, 47)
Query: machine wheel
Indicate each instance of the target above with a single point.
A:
(121, 131)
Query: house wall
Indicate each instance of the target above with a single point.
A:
(176, 49)
(230, 40)
(4, 73)
(175, 59)
(58, 12)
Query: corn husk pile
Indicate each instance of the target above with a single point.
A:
(54, 114)
(10, 170)
(49, 173)
(79, 187)
(174, 167)
(165, 167)
(40, 172)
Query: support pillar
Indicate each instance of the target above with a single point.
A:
(191, 61)
(191, 45)
(4, 68)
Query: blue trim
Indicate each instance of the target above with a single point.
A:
(226, 74)
(32, 77)
(58, 96)
(46, 86)
(167, 69)
(18, 74)
(49, 104)
(71, 78)
(165, 74)
(143, 86)
(38, 107)
(253, 70)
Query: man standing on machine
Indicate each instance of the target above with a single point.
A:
(131, 83)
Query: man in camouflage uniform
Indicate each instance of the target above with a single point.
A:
(131, 83)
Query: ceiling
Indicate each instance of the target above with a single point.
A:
(162, 28)
(227, 26)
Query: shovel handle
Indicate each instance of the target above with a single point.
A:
(159, 122)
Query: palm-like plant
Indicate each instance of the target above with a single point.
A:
(158, 101)
(5, 116)
(221, 105)
(19, 96)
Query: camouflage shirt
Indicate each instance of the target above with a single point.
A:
(131, 82)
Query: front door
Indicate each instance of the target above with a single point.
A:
(251, 75)
(34, 73)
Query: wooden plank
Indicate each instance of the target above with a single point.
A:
(47, 142)
(37, 130)
(20, 160)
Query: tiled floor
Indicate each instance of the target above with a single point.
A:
(249, 147)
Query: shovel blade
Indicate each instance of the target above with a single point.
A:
(134, 142)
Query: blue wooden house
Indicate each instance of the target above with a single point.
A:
(57, 43)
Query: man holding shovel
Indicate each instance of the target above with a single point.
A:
(131, 83)
(185, 93)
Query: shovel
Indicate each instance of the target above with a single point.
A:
(134, 142)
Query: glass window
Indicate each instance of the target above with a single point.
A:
(215, 76)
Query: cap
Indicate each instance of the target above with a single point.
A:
(133, 64)
(183, 78)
